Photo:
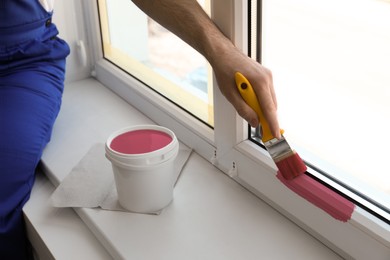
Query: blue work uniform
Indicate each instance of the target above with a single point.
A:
(32, 68)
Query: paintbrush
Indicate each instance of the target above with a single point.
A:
(287, 160)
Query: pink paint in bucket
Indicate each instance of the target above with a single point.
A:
(142, 160)
(140, 141)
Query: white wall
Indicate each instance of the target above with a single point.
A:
(69, 18)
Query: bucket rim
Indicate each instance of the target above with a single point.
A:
(168, 147)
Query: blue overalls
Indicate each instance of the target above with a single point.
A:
(32, 67)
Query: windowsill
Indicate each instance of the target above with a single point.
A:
(211, 217)
(57, 233)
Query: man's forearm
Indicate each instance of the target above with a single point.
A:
(187, 20)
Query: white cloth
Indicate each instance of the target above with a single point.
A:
(48, 5)
(91, 184)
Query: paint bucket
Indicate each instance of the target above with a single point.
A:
(142, 159)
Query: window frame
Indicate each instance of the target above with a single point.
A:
(228, 147)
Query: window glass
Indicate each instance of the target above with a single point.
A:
(146, 50)
(330, 62)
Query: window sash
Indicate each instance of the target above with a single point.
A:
(190, 99)
(377, 208)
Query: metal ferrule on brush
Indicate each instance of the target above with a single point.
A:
(288, 162)
(278, 148)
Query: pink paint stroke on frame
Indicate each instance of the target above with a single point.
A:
(321, 196)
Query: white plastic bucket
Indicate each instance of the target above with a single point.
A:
(142, 161)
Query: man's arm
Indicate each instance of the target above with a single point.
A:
(187, 20)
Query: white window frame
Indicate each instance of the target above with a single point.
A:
(227, 147)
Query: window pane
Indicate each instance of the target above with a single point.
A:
(331, 61)
(144, 49)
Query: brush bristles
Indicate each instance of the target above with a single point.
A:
(291, 166)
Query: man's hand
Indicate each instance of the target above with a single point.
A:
(230, 61)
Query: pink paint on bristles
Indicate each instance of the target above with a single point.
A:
(291, 166)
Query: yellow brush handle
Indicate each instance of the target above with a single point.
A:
(249, 95)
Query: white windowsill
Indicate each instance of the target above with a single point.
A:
(57, 233)
(211, 217)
